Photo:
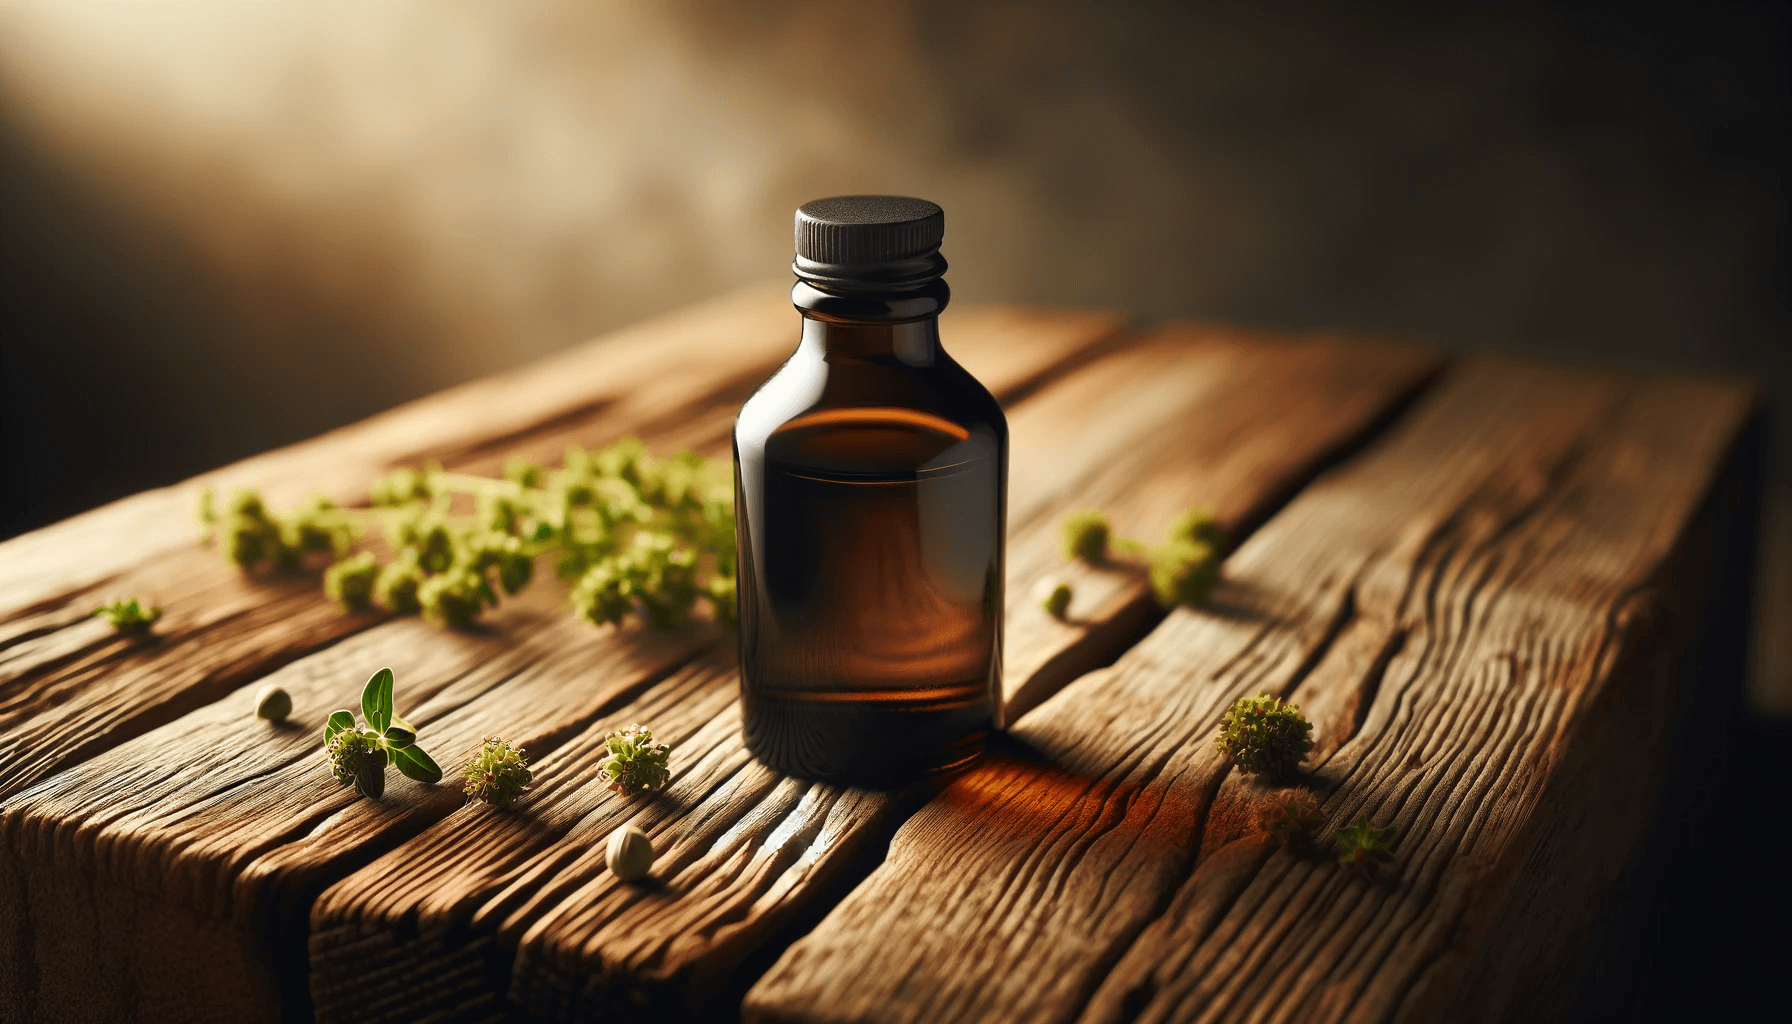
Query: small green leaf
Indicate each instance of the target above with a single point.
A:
(415, 763)
(339, 720)
(376, 700)
(398, 736)
(400, 723)
(543, 531)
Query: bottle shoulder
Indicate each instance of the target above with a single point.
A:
(807, 387)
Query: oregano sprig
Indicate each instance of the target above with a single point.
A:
(1182, 570)
(635, 535)
(359, 754)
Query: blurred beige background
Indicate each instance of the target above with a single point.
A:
(226, 224)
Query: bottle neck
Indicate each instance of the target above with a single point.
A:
(913, 343)
(864, 325)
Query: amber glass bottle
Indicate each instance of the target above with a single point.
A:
(871, 480)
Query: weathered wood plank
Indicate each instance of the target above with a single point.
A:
(68, 689)
(1234, 422)
(272, 842)
(204, 842)
(746, 853)
(1457, 610)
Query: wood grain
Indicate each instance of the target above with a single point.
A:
(1231, 421)
(748, 855)
(1457, 610)
(273, 841)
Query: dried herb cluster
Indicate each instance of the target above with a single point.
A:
(635, 762)
(634, 534)
(1264, 736)
(497, 774)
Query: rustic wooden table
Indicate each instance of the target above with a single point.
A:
(1495, 587)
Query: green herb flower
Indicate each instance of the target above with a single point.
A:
(491, 552)
(395, 589)
(208, 516)
(1056, 600)
(434, 546)
(1364, 848)
(400, 487)
(500, 512)
(1263, 736)
(498, 774)
(250, 535)
(350, 583)
(318, 525)
(1183, 572)
(635, 763)
(128, 616)
(1086, 536)
(454, 598)
(525, 473)
(357, 759)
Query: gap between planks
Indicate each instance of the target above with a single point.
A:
(1456, 610)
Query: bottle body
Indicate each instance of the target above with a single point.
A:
(871, 505)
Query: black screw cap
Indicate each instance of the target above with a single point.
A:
(862, 242)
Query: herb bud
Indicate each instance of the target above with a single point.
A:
(1363, 848)
(400, 487)
(1054, 597)
(454, 598)
(1086, 536)
(497, 774)
(630, 853)
(128, 616)
(273, 703)
(350, 582)
(523, 472)
(1183, 572)
(1197, 526)
(1264, 736)
(434, 546)
(635, 763)
(395, 589)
